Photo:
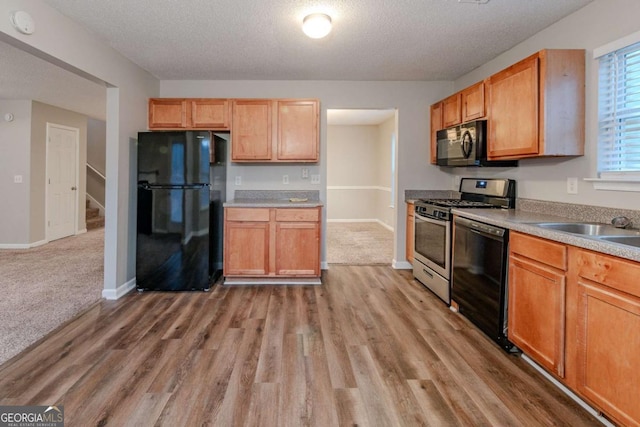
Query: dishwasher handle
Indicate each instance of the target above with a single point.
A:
(481, 228)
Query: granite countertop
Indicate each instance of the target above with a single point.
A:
(274, 199)
(523, 221)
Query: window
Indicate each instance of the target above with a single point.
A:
(619, 113)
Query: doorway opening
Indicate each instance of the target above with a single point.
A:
(361, 185)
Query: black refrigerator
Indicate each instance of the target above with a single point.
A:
(181, 189)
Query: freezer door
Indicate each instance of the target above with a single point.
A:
(174, 158)
(172, 252)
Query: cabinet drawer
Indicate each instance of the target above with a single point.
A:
(610, 271)
(541, 250)
(247, 214)
(294, 214)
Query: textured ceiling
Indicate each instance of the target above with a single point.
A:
(262, 40)
(253, 39)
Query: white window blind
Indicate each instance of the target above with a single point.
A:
(619, 112)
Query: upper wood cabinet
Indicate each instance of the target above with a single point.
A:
(451, 113)
(298, 135)
(436, 125)
(281, 130)
(251, 133)
(472, 102)
(536, 107)
(189, 113)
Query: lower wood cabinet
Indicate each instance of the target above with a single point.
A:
(410, 237)
(272, 242)
(607, 346)
(577, 313)
(536, 315)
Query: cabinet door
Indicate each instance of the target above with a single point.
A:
(298, 130)
(246, 248)
(251, 130)
(536, 313)
(167, 113)
(451, 112)
(410, 232)
(513, 111)
(297, 249)
(472, 100)
(608, 349)
(436, 125)
(210, 113)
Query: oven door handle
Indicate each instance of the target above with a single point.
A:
(441, 222)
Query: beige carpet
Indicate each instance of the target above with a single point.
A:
(43, 287)
(359, 243)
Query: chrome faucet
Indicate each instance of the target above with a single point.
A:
(621, 222)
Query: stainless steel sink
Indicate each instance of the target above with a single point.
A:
(587, 228)
(625, 240)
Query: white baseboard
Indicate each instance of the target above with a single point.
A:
(387, 226)
(22, 245)
(120, 291)
(84, 230)
(402, 265)
(568, 392)
(324, 265)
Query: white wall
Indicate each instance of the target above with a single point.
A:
(411, 99)
(358, 174)
(595, 25)
(67, 44)
(15, 145)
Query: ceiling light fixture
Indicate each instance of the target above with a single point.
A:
(316, 25)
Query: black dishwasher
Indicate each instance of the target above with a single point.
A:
(479, 277)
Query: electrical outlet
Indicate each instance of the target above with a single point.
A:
(17, 179)
(572, 185)
(305, 173)
(238, 180)
(315, 179)
(285, 179)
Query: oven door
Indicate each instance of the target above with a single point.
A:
(432, 246)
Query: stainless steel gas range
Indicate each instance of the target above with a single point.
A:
(433, 228)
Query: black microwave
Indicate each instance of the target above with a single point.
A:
(466, 145)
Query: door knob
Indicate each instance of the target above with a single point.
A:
(73, 188)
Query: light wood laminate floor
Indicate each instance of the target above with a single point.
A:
(370, 347)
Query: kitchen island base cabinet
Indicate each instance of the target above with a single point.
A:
(272, 242)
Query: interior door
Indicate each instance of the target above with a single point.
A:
(62, 180)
